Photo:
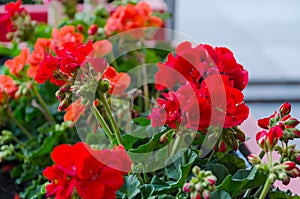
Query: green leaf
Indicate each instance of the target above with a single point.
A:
(232, 162)
(242, 180)
(219, 170)
(220, 194)
(130, 187)
(142, 121)
(184, 165)
(277, 194)
(147, 190)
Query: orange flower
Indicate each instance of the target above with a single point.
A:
(7, 87)
(40, 48)
(74, 111)
(131, 17)
(17, 64)
(118, 81)
(64, 35)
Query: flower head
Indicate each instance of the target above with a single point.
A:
(93, 173)
(130, 17)
(268, 139)
(17, 64)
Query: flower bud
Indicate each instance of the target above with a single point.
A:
(289, 165)
(211, 179)
(282, 176)
(198, 187)
(92, 29)
(80, 28)
(272, 177)
(196, 170)
(206, 194)
(254, 159)
(285, 109)
(292, 122)
(187, 188)
(286, 181)
(295, 172)
(296, 132)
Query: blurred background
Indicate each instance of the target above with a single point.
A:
(264, 36)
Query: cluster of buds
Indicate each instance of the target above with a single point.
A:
(230, 139)
(201, 185)
(277, 171)
(284, 120)
(291, 153)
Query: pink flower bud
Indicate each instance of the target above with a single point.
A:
(80, 28)
(187, 188)
(196, 196)
(296, 132)
(212, 180)
(206, 194)
(285, 109)
(222, 147)
(254, 159)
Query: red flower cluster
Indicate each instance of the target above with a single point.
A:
(68, 59)
(204, 88)
(284, 120)
(130, 17)
(8, 87)
(95, 174)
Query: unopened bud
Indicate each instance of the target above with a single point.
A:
(282, 176)
(254, 159)
(272, 177)
(198, 187)
(288, 165)
(212, 180)
(206, 194)
(187, 188)
(196, 170)
(292, 122)
(285, 109)
(92, 29)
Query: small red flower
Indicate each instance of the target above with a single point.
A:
(268, 139)
(92, 29)
(119, 82)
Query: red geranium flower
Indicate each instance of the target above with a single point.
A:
(130, 17)
(226, 63)
(14, 7)
(93, 173)
(17, 64)
(7, 87)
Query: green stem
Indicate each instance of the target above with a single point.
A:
(22, 128)
(104, 126)
(265, 189)
(247, 193)
(177, 143)
(145, 88)
(46, 112)
(210, 156)
(111, 118)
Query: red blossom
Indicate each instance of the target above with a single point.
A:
(119, 82)
(7, 87)
(268, 139)
(13, 8)
(93, 173)
(130, 17)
